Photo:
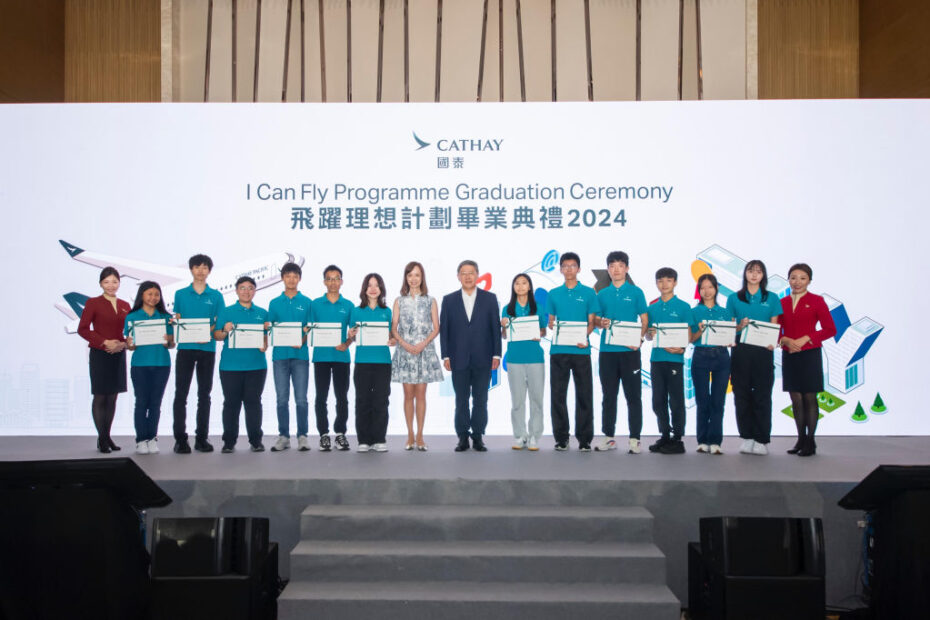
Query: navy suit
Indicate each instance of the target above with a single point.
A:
(470, 347)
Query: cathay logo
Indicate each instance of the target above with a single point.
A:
(422, 144)
(460, 145)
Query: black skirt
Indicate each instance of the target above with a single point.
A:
(802, 371)
(107, 372)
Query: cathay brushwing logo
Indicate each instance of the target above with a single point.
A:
(422, 144)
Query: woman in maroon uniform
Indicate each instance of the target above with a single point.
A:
(801, 358)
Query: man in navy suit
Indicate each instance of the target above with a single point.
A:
(470, 345)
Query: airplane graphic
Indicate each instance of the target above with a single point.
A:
(265, 270)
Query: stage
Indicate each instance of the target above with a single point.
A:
(676, 490)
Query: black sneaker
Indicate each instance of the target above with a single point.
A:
(228, 448)
(584, 447)
(674, 446)
(257, 447)
(658, 444)
(325, 445)
(202, 445)
(342, 444)
(561, 446)
(182, 447)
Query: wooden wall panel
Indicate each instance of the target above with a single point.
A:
(112, 50)
(894, 48)
(32, 51)
(808, 49)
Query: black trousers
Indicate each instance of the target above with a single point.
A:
(615, 367)
(668, 392)
(339, 373)
(752, 373)
(561, 365)
(187, 361)
(242, 387)
(471, 401)
(372, 389)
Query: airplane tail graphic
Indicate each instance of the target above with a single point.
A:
(71, 249)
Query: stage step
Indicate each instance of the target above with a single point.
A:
(467, 561)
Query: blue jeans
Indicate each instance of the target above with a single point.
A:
(148, 383)
(297, 372)
(710, 373)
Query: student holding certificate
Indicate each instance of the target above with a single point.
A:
(150, 364)
(290, 362)
(575, 303)
(101, 326)
(243, 366)
(197, 301)
(667, 364)
(331, 363)
(710, 368)
(801, 358)
(525, 365)
(620, 301)
(372, 377)
(752, 368)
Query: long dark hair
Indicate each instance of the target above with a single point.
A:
(405, 288)
(741, 294)
(148, 284)
(531, 299)
(364, 294)
(708, 277)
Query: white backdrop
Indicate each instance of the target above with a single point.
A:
(705, 186)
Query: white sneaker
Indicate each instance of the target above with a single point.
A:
(605, 443)
(303, 444)
(518, 444)
(702, 447)
(363, 447)
(532, 444)
(746, 446)
(142, 447)
(153, 446)
(635, 446)
(715, 449)
(283, 443)
(759, 448)
(379, 447)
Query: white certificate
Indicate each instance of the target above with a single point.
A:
(373, 333)
(671, 335)
(247, 336)
(148, 331)
(719, 333)
(325, 334)
(287, 334)
(624, 334)
(761, 334)
(523, 328)
(570, 333)
(193, 330)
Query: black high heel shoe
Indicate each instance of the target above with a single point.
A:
(103, 446)
(809, 448)
(112, 445)
(797, 446)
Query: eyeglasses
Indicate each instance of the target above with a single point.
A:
(245, 288)
(332, 280)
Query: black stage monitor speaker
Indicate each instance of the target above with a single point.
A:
(757, 568)
(897, 498)
(71, 541)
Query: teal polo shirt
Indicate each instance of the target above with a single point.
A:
(624, 303)
(322, 310)
(149, 354)
(193, 305)
(703, 313)
(525, 351)
(672, 311)
(571, 304)
(371, 355)
(284, 309)
(241, 359)
(754, 308)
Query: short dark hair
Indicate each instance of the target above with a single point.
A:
(618, 257)
(332, 268)
(200, 259)
(291, 268)
(466, 263)
(363, 303)
(802, 267)
(245, 279)
(569, 256)
(667, 272)
(107, 272)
